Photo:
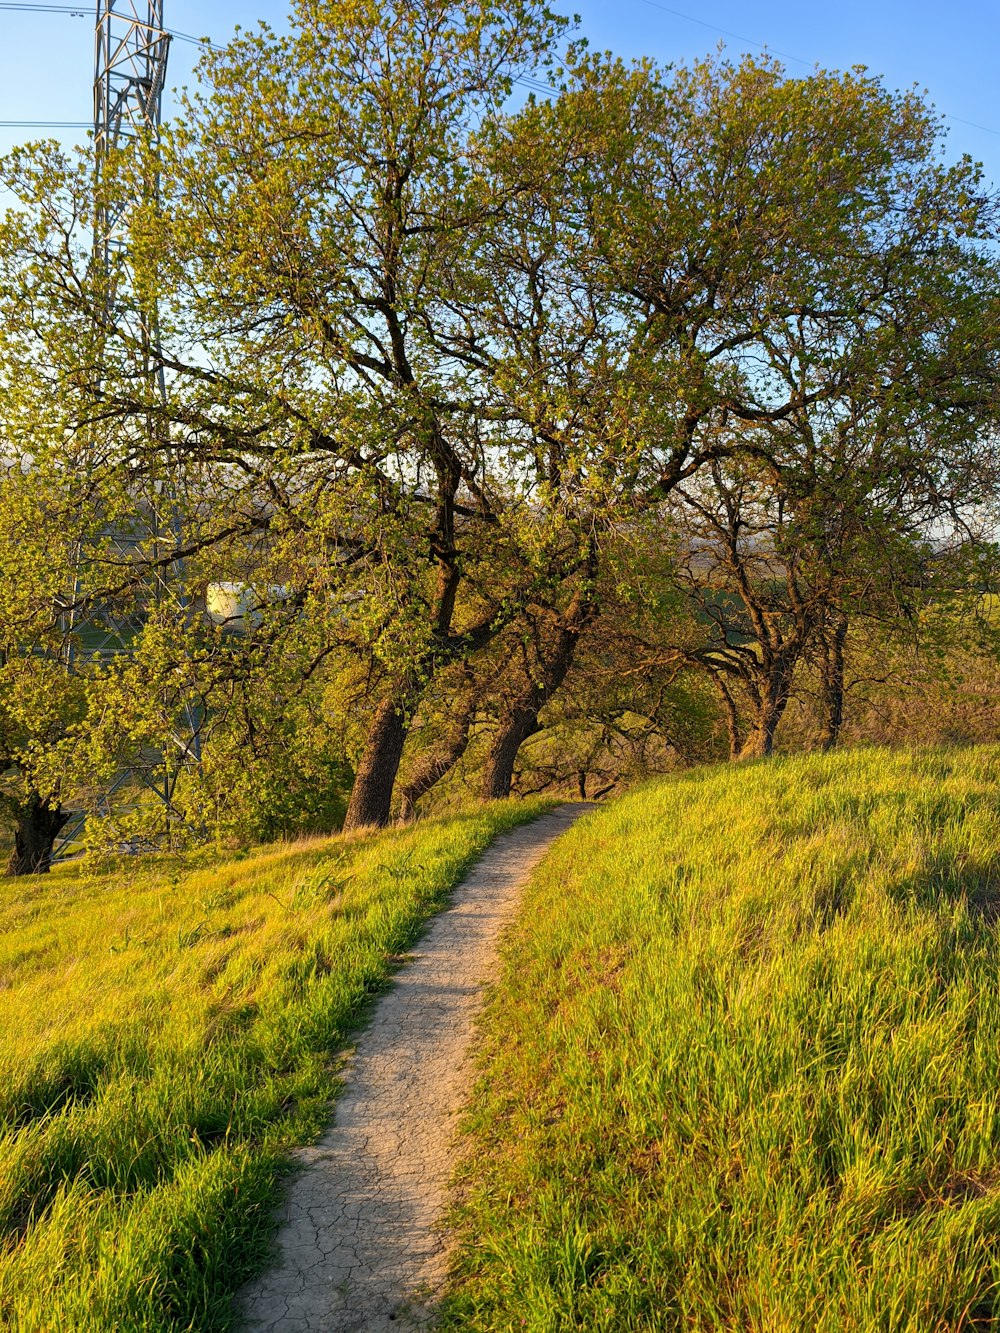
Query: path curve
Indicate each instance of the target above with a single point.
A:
(359, 1238)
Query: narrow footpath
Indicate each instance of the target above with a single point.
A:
(359, 1234)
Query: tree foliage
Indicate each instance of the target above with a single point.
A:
(425, 363)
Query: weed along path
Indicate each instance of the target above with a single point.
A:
(360, 1246)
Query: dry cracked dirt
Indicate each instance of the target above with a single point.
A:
(360, 1245)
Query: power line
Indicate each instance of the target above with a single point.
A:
(30, 7)
(22, 6)
(797, 60)
(985, 128)
(531, 84)
(535, 85)
(526, 81)
(761, 46)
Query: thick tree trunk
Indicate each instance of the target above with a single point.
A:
(832, 672)
(521, 718)
(759, 740)
(371, 795)
(435, 767)
(732, 718)
(38, 827)
(514, 729)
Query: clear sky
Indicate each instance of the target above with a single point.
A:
(951, 51)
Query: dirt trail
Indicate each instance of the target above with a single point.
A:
(360, 1247)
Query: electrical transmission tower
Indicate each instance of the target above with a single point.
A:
(130, 68)
(130, 63)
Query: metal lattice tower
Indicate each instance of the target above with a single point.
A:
(130, 67)
(130, 63)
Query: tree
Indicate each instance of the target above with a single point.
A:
(440, 354)
(761, 592)
(45, 669)
(778, 561)
(349, 212)
(519, 349)
(844, 391)
(728, 269)
(441, 734)
(546, 653)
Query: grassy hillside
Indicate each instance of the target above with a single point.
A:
(744, 1061)
(165, 1034)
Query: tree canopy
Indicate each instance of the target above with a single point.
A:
(424, 364)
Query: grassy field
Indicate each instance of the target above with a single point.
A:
(743, 1065)
(166, 1033)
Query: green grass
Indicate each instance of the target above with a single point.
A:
(166, 1034)
(742, 1069)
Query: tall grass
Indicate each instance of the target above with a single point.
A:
(742, 1070)
(166, 1034)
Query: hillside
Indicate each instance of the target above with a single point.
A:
(742, 1070)
(167, 1032)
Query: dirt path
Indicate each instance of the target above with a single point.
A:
(358, 1232)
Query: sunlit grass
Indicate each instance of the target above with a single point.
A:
(166, 1033)
(742, 1070)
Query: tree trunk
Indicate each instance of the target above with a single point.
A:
(519, 723)
(38, 827)
(832, 670)
(521, 718)
(771, 699)
(436, 766)
(732, 718)
(759, 740)
(371, 795)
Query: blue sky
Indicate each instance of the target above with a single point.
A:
(950, 51)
